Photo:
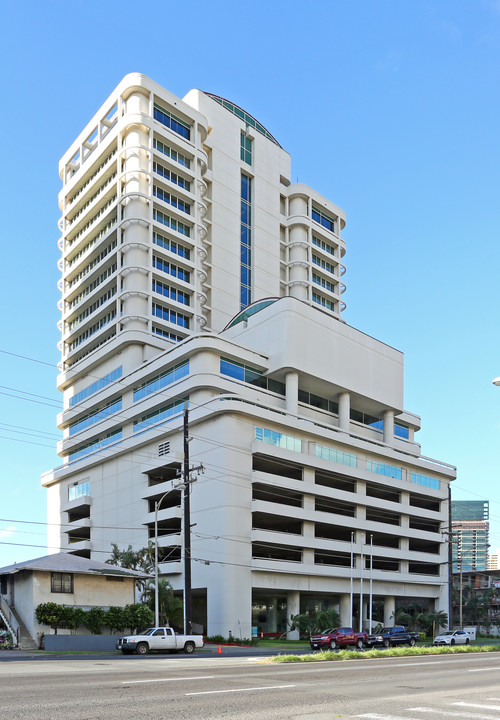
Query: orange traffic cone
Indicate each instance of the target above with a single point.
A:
(219, 651)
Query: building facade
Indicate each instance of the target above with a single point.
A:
(470, 526)
(195, 273)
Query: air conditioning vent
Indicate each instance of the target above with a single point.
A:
(163, 449)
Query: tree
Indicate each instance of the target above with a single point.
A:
(313, 621)
(51, 614)
(138, 616)
(170, 607)
(116, 619)
(143, 560)
(74, 617)
(95, 619)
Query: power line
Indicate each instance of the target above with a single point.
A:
(35, 430)
(25, 357)
(27, 442)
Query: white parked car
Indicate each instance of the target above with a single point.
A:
(452, 637)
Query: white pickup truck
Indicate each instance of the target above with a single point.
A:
(159, 638)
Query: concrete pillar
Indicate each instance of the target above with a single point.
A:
(307, 556)
(292, 392)
(272, 616)
(389, 427)
(344, 411)
(135, 224)
(345, 610)
(292, 609)
(389, 610)
(365, 611)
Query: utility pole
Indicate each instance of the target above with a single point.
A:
(187, 529)
(450, 564)
(186, 481)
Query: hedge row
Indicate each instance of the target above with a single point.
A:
(116, 619)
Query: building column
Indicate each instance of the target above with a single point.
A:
(345, 610)
(389, 610)
(365, 612)
(292, 609)
(389, 427)
(292, 392)
(272, 616)
(344, 411)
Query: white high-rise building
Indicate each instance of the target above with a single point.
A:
(194, 271)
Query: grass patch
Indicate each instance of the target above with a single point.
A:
(284, 644)
(331, 655)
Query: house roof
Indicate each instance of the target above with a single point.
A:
(65, 562)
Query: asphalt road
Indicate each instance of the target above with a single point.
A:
(218, 687)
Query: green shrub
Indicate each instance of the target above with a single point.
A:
(94, 620)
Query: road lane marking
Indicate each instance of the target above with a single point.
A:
(484, 669)
(433, 711)
(249, 689)
(136, 682)
(376, 716)
(476, 705)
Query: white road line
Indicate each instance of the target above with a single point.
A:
(249, 689)
(486, 669)
(476, 705)
(376, 716)
(454, 713)
(136, 682)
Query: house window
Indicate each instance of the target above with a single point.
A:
(61, 582)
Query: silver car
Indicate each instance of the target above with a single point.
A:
(452, 637)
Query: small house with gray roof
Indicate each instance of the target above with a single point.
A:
(62, 578)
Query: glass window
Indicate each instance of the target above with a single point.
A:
(424, 480)
(246, 149)
(96, 386)
(232, 369)
(61, 582)
(160, 381)
(170, 121)
(96, 417)
(288, 442)
(326, 453)
(383, 469)
(163, 414)
(401, 431)
(78, 490)
(324, 219)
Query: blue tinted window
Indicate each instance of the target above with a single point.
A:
(163, 414)
(232, 369)
(171, 122)
(401, 431)
(96, 445)
(96, 417)
(98, 385)
(245, 188)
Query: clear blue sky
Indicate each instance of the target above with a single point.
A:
(389, 108)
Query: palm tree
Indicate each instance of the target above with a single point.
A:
(170, 607)
(131, 559)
